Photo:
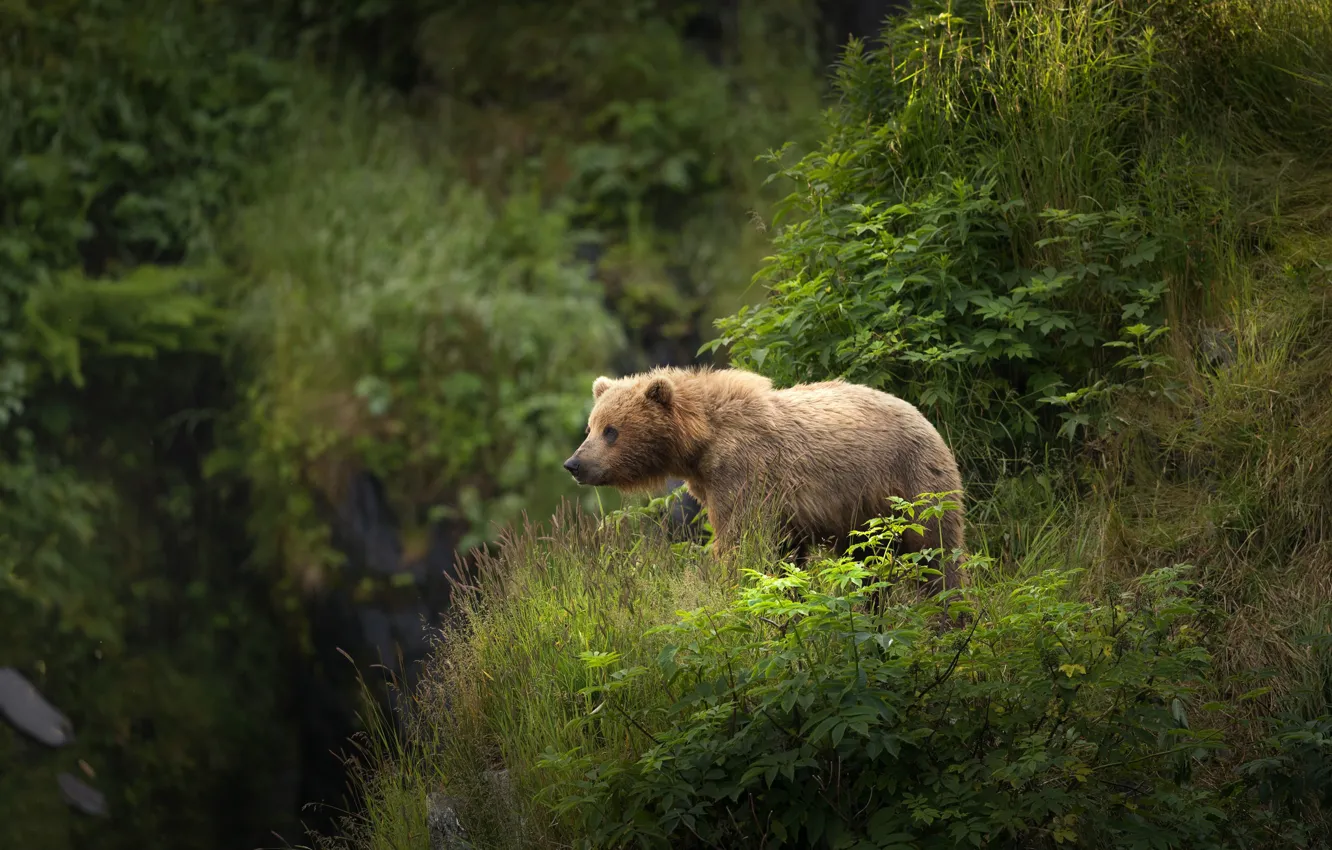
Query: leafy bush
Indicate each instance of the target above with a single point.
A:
(151, 311)
(927, 298)
(1000, 201)
(125, 129)
(1297, 768)
(48, 506)
(799, 718)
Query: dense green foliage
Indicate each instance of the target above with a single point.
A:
(919, 296)
(1092, 240)
(397, 323)
(654, 145)
(801, 720)
(789, 713)
(126, 129)
(1002, 203)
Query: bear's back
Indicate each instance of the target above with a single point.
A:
(838, 405)
(839, 449)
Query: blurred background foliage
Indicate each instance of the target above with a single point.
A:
(297, 299)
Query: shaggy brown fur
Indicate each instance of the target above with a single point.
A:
(831, 452)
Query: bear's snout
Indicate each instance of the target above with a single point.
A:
(585, 471)
(582, 472)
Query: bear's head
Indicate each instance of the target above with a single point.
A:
(639, 433)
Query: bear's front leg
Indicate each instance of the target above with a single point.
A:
(721, 516)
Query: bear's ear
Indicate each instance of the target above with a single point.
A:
(599, 386)
(660, 391)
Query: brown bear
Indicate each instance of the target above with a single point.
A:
(832, 453)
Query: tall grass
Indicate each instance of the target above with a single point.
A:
(507, 678)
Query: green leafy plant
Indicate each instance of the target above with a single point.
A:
(799, 717)
(999, 199)
(617, 109)
(926, 298)
(149, 311)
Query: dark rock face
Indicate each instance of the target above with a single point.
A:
(863, 19)
(390, 624)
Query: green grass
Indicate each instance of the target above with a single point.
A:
(504, 683)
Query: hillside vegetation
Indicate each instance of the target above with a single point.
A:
(1093, 241)
(297, 299)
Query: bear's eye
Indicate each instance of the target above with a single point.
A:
(610, 434)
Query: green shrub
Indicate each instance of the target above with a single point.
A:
(799, 719)
(927, 297)
(1296, 768)
(125, 128)
(1001, 200)
(149, 312)
(47, 531)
